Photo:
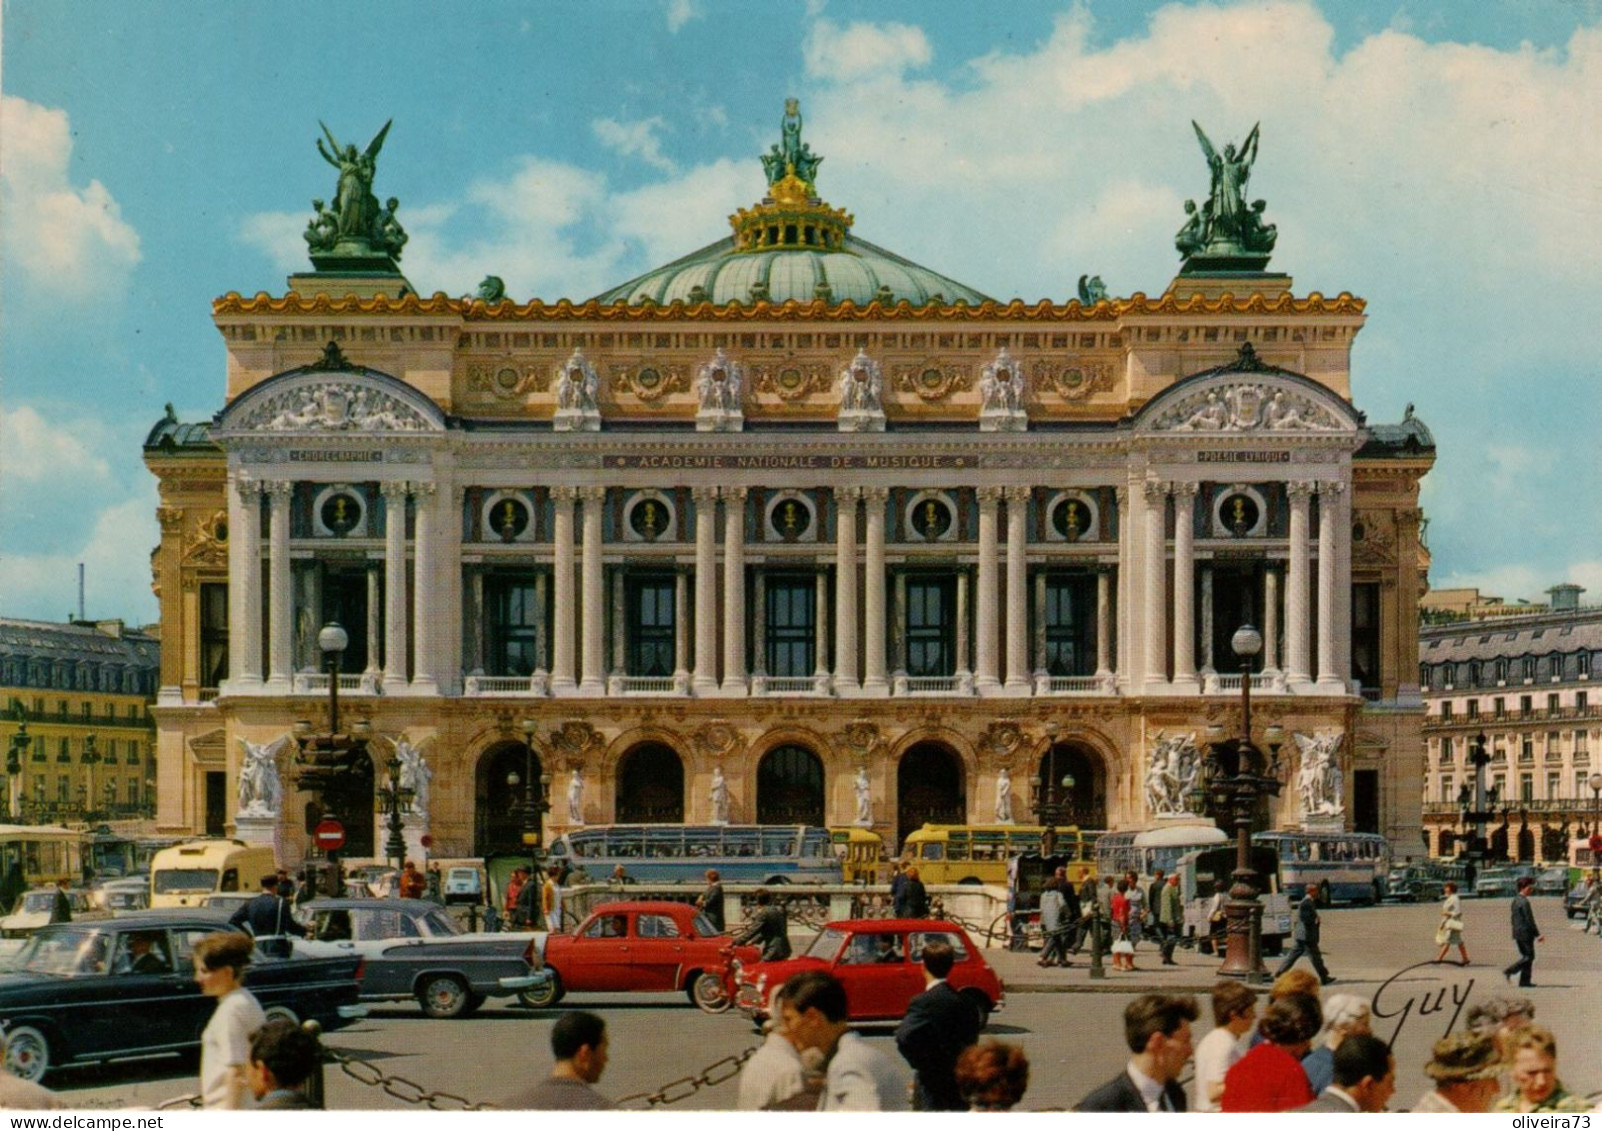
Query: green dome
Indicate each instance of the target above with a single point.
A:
(858, 271)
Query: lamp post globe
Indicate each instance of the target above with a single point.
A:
(1246, 642)
(332, 638)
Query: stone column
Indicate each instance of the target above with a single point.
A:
(759, 624)
(1155, 589)
(244, 588)
(428, 593)
(1126, 546)
(1329, 507)
(706, 590)
(845, 591)
(280, 593)
(1297, 629)
(620, 662)
(375, 623)
(1270, 621)
(1343, 590)
(1018, 682)
(898, 617)
(964, 670)
(681, 630)
(564, 648)
(1208, 663)
(447, 603)
(1185, 585)
(192, 676)
(592, 678)
(874, 682)
(474, 660)
(1038, 641)
(986, 666)
(734, 591)
(394, 493)
(542, 627)
(1103, 623)
(820, 621)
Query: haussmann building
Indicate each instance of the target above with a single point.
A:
(791, 507)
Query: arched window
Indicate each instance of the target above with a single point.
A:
(790, 787)
(650, 786)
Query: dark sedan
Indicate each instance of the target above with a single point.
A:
(125, 987)
(415, 949)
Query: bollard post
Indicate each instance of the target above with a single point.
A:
(314, 1085)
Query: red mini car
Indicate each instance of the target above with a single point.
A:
(880, 963)
(639, 946)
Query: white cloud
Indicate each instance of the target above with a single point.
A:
(681, 12)
(635, 139)
(64, 239)
(33, 451)
(116, 560)
(277, 235)
(864, 51)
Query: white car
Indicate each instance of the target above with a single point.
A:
(33, 911)
(463, 885)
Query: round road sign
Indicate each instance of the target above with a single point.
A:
(329, 834)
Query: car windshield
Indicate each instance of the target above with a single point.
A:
(65, 953)
(827, 944)
(439, 924)
(38, 901)
(704, 928)
(185, 879)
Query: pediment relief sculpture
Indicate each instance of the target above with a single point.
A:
(1248, 406)
(332, 406)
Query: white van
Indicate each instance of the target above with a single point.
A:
(185, 874)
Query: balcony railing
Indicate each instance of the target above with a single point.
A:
(819, 684)
(532, 685)
(316, 683)
(1078, 685)
(928, 684)
(653, 685)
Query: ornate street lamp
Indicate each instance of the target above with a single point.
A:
(14, 755)
(1238, 778)
(396, 800)
(1478, 803)
(326, 759)
(536, 803)
(1595, 782)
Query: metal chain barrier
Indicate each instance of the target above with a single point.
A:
(407, 1091)
(718, 1072)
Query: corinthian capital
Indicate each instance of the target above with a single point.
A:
(990, 496)
(1017, 494)
(565, 493)
(1156, 491)
(704, 494)
(1184, 492)
(875, 494)
(394, 490)
(593, 494)
(1299, 491)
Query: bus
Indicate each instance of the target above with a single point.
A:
(1346, 867)
(36, 855)
(185, 874)
(861, 854)
(1201, 869)
(742, 854)
(1143, 852)
(978, 854)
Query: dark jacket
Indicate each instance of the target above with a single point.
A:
(772, 928)
(912, 901)
(938, 1025)
(1071, 911)
(286, 1101)
(61, 908)
(1524, 928)
(1120, 1094)
(711, 903)
(267, 917)
(1307, 928)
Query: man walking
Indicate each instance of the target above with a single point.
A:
(912, 902)
(1305, 934)
(1525, 935)
(1087, 908)
(1157, 1029)
(860, 1077)
(1170, 912)
(938, 1025)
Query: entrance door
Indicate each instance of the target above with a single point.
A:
(498, 802)
(1077, 775)
(216, 803)
(1365, 801)
(650, 786)
(930, 789)
(790, 788)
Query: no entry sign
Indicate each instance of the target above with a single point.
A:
(329, 834)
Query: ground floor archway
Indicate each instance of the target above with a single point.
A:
(650, 786)
(931, 788)
(790, 787)
(1080, 777)
(348, 796)
(499, 785)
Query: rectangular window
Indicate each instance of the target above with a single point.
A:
(64, 752)
(1581, 786)
(791, 622)
(509, 642)
(1580, 701)
(1070, 626)
(1528, 664)
(1580, 748)
(648, 635)
(1366, 635)
(1552, 702)
(1526, 705)
(1552, 741)
(931, 626)
(1585, 664)
(1446, 711)
(1527, 748)
(1526, 788)
(213, 634)
(1499, 707)
(1446, 749)
(111, 752)
(1448, 790)
(1554, 783)
(1473, 708)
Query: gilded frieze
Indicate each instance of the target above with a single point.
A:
(506, 378)
(1073, 381)
(650, 381)
(932, 379)
(791, 379)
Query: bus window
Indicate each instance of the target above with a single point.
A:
(778, 842)
(740, 842)
(230, 880)
(957, 846)
(623, 842)
(703, 842)
(989, 845)
(815, 843)
(664, 842)
(931, 850)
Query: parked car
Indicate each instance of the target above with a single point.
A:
(637, 946)
(33, 911)
(1552, 881)
(414, 949)
(72, 997)
(1411, 883)
(227, 902)
(375, 880)
(122, 901)
(880, 963)
(463, 885)
(1576, 898)
(1502, 881)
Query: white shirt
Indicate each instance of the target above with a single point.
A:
(861, 1078)
(1151, 1091)
(1215, 1054)
(226, 1043)
(771, 1076)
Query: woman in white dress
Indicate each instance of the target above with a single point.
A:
(1450, 932)
(1234, 1013)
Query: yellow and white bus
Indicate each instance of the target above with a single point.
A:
(861, 853)
(978, 854)
(185, 874)
(36, 855)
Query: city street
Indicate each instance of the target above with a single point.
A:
(1053, 1014)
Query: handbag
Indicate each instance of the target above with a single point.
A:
(1442, 934)
(1453, 923)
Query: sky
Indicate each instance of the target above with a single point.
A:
(1440, 159)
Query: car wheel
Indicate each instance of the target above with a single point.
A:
(707, 992)
(973, 880)
(772, 880)
(545, 996)
(281, 1012)
(980, 1002)
(27, 1053)
(443, 995)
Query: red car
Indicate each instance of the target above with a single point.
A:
(637, 946)
(880, 963)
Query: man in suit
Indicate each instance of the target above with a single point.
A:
(771, 926)
(1157, 1029)
(282, 1056)
(939, 1024)
(1525, 934)
(1305, 934)
(710, 901)
(1365, 1078)
(268, 918)
(1170, 910)
(816, 1019)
